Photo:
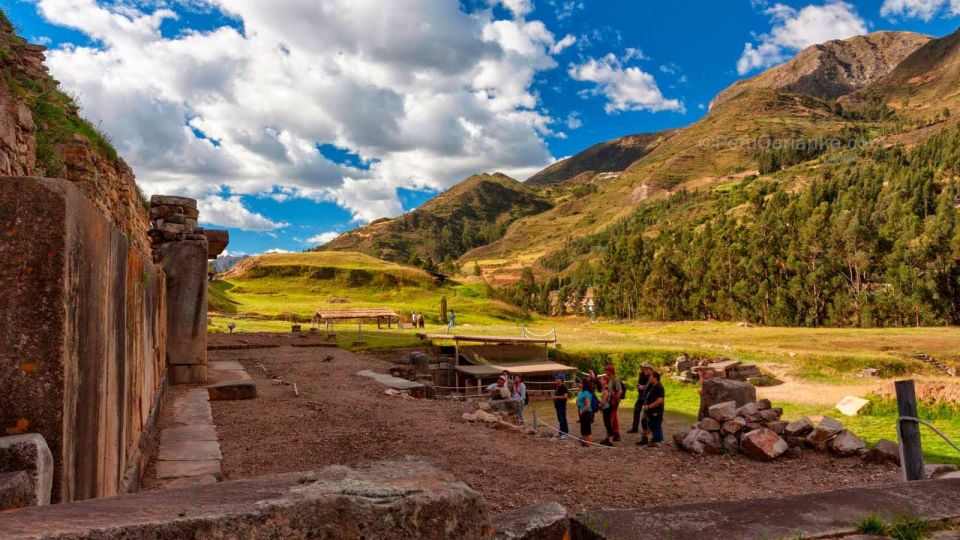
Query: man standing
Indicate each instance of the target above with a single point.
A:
(653, 409)
(616, 394)
(560, 396)
(642, 379)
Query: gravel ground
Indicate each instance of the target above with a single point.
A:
(355, 421)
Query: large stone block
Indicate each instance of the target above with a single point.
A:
(763, 444)
(546, 521)
(185, 264)
(81, 335)
(29, 453)
(716, 391)
(395, 500)
(16, 490)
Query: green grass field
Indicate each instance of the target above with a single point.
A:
(265, 296)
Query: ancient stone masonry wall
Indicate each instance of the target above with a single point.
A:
(27, 89)
(82, 336)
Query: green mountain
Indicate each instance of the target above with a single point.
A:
(475, 212)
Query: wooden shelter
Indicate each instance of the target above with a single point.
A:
(380, 315)
(479, 360)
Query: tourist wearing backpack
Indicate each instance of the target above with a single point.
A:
(585, 401)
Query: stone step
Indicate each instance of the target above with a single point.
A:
(189, 451)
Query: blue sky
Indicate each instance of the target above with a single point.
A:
(298, 120)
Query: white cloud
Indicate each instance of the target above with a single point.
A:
(422, 91)
(230, 212)
(794, 30)
(564, 9)
(919, 9)
(574, 121)
(276, 250)
(519, 8)
(626, 88)
(559, 46)
(322, 238)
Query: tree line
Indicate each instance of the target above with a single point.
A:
(872, 240)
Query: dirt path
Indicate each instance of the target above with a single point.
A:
(355, 421)
(794, 390)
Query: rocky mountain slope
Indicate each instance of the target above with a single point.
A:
(835, 68)
(607, 157)
(475, 212)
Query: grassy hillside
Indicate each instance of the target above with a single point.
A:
(476, 211)
(278, 286)
(612, 156)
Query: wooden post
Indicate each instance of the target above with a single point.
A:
(534, 420)
(911, 454)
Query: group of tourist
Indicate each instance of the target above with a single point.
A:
(417, 319)
(596, 394)
(647, 412)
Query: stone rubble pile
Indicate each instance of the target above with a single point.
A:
(686, 368)
(757, 430)
(497, 413)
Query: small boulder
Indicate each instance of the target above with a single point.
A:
(701, 442)
(750, 411)
(885, 451)
(731, 444)
(722, 412)
(716, 391)
(708, 424)
(825, 430)
(846, 444)
(765, 404)
(506, 406)
(732, 427)
(546, 521)
(799, 428)
(771, 415)
(680, 436)
(763, 444)
(937, 470)
(794, 452)
(778, 427)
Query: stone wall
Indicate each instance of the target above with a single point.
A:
(82, 335)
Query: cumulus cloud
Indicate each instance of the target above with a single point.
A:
(626, 88)
(230, 212)
(919, 9)
(421, 91)
(276, 250)
(322, 238)
(794, 30)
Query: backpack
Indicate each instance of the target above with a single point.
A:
(594, 403)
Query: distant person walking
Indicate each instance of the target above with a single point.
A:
(420, 319)
(654, 409)
(452, 321)
(585, 410)
(519, 393)
(560, 396)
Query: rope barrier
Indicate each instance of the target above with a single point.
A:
(925, 423)
(525, 332)
(548, 426)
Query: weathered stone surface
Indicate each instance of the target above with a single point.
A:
(846, 444)
(799, 427)
(698, 441)
(189, 451)
(944, 535)
(825, 430)
(506, 406)
(16, 490)
(185, 263)
(170, 200)
(190, 481)
(771, 415)
(29, 453)
(936, 470)
(750, 411)
(734, 426)
(546, 521)
(413, 388)
(778, 427)
(763, 444)
(851, 405)
(708, 424)
(217, 241)
(722, 412)
(731, 443)
(395, 500)
(828, 514)
(794, 452)
(885, 451)
(202, 432)
(233, 390)
(177, 469)
(716, 391)
(88, 377)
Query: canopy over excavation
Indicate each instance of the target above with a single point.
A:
(380, 315)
